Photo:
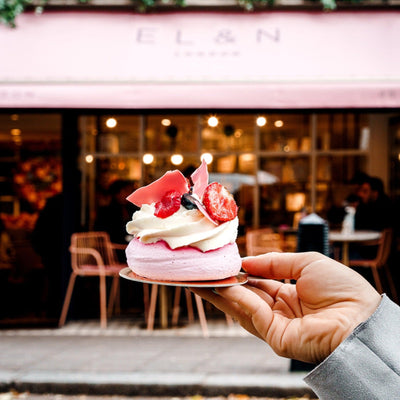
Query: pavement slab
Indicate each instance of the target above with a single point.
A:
(83, 359)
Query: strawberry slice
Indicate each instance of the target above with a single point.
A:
(219, 203)
(168, 205)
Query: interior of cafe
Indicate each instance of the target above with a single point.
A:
(279, 165)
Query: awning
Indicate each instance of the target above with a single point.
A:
(201, 60)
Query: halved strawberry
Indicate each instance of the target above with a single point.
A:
(219, 203)
(168, 205)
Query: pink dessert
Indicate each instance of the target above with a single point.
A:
(184, 231)
(159, 262)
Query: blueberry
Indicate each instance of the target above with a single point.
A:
(188, 202)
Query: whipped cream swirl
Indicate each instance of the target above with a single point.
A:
(183, 228)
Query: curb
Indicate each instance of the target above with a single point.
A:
(158, 384)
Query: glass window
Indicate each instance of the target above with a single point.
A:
(285, 132)
(171, 133)
(342, 131)
(30, 161)
(226, 132)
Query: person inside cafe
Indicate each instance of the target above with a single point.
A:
(330, 316)
(113, 217)
(373, 210)
(47, 241)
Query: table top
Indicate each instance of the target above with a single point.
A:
(356, 236)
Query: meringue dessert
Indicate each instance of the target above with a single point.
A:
(185, 230)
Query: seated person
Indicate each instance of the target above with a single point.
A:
(113, 217)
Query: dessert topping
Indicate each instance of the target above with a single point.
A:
(200, 179)
(152, 193)
(212, 200)
(219, 203)
(188, 201)
(168, 205)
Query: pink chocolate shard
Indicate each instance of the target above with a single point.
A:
(200, 179)
(152, 193)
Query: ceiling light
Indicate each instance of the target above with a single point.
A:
(238, 133)
(212, 122)
(261, 121)
(166, 122)
(278, 123)
(148, 158)
(177, 159)
(207, 157)
(111, 123)
(16, 132)
(89, 158)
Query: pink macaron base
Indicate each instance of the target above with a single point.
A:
(159, 262)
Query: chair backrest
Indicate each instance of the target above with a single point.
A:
(91, 249)
(263, 240)
(385, 246)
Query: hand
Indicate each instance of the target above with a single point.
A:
(306, 320)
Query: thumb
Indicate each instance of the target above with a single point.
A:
(279, 265)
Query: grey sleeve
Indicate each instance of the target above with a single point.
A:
(366, 365)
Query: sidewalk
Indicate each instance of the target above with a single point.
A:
(125, 359)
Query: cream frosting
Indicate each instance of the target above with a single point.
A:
(183, 228)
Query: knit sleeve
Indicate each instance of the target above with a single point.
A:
(366, 365)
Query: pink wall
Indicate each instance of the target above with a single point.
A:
(189, 60)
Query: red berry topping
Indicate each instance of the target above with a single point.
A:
(219, 203)
(168, 205)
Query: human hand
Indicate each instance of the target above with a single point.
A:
(306, 320)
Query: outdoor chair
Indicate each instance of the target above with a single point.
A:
(176, 308)
(93, 255)
(380, 262)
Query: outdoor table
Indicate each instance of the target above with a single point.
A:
(345, 238)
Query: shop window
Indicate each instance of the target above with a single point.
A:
(286, 133)
(227, 132)
(30, 162)
(30, 173)
(338, 131)
(175, 134)
(276, 164)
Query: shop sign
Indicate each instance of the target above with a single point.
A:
(268, 59)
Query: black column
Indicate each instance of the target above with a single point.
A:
(71, 186)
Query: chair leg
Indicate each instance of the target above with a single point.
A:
(176, 308)
(202, 315)
(189, 305)
(377, 279)
(103, 302)
(113, 299)
(146, 300)
(67, 300)
(152, 310)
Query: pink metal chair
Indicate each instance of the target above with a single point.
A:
(93, 254)
(380, 262)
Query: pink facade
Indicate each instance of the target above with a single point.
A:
(201, 60)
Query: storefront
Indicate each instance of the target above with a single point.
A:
(287, 106)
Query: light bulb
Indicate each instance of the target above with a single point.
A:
(111, 123)
(148, 158)
(177, 159)
(213, 122)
